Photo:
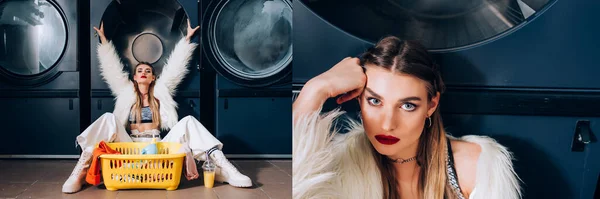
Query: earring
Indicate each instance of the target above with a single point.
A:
(430, 123)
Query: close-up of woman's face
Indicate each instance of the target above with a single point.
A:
(143, 74)
(394, 108)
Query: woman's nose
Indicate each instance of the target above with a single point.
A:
(389, 121)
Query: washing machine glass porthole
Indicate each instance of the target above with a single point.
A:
(144, 30)
(440, 25)
(253, 38)
(33, 36)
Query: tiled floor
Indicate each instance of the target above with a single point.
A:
(44, 179)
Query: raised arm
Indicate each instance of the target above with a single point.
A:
(314, 157)
(176, 68)
(347, 78)
(111, 67)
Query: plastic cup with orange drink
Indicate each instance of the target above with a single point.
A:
(209, 173)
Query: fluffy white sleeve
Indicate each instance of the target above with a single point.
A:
(328, 164)
(176, 67)
(111, 69)
(495, 178)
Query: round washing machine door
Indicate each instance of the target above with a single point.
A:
(144, 30)
(33, 39)
(440, 25)
(249, 42)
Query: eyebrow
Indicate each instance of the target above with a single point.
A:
(406, 99)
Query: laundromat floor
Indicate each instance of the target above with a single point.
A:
(44, 179)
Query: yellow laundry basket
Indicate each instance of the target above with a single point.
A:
(132, 170)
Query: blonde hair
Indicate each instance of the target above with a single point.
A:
(136, 109)
(409, 57)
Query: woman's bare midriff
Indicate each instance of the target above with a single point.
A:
(143, 127)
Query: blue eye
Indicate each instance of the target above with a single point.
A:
(373, 101)
(409, 106)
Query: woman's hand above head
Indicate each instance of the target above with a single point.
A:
(190, 31)
(347, 78)
(100, 33)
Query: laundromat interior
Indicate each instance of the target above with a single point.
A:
(52, 89)
(523, 72)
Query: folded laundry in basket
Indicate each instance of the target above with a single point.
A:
(93, 175)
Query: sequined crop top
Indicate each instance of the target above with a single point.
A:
(146, 116)
(451, 171)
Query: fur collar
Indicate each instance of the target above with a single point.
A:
(331, 165)
(122, 88)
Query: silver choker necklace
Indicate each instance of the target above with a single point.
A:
(402, 161)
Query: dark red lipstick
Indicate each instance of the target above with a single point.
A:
(143, 76)
(386, 139)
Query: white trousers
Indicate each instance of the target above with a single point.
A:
(187, 131)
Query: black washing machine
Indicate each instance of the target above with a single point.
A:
(249, 45)
(144, 30)
(39, 78)
(324, 37)
(516, 70)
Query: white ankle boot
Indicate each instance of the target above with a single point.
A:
(226, 172)
(77, 178)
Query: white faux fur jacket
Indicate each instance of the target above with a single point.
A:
(122, 87)
(331, 165)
